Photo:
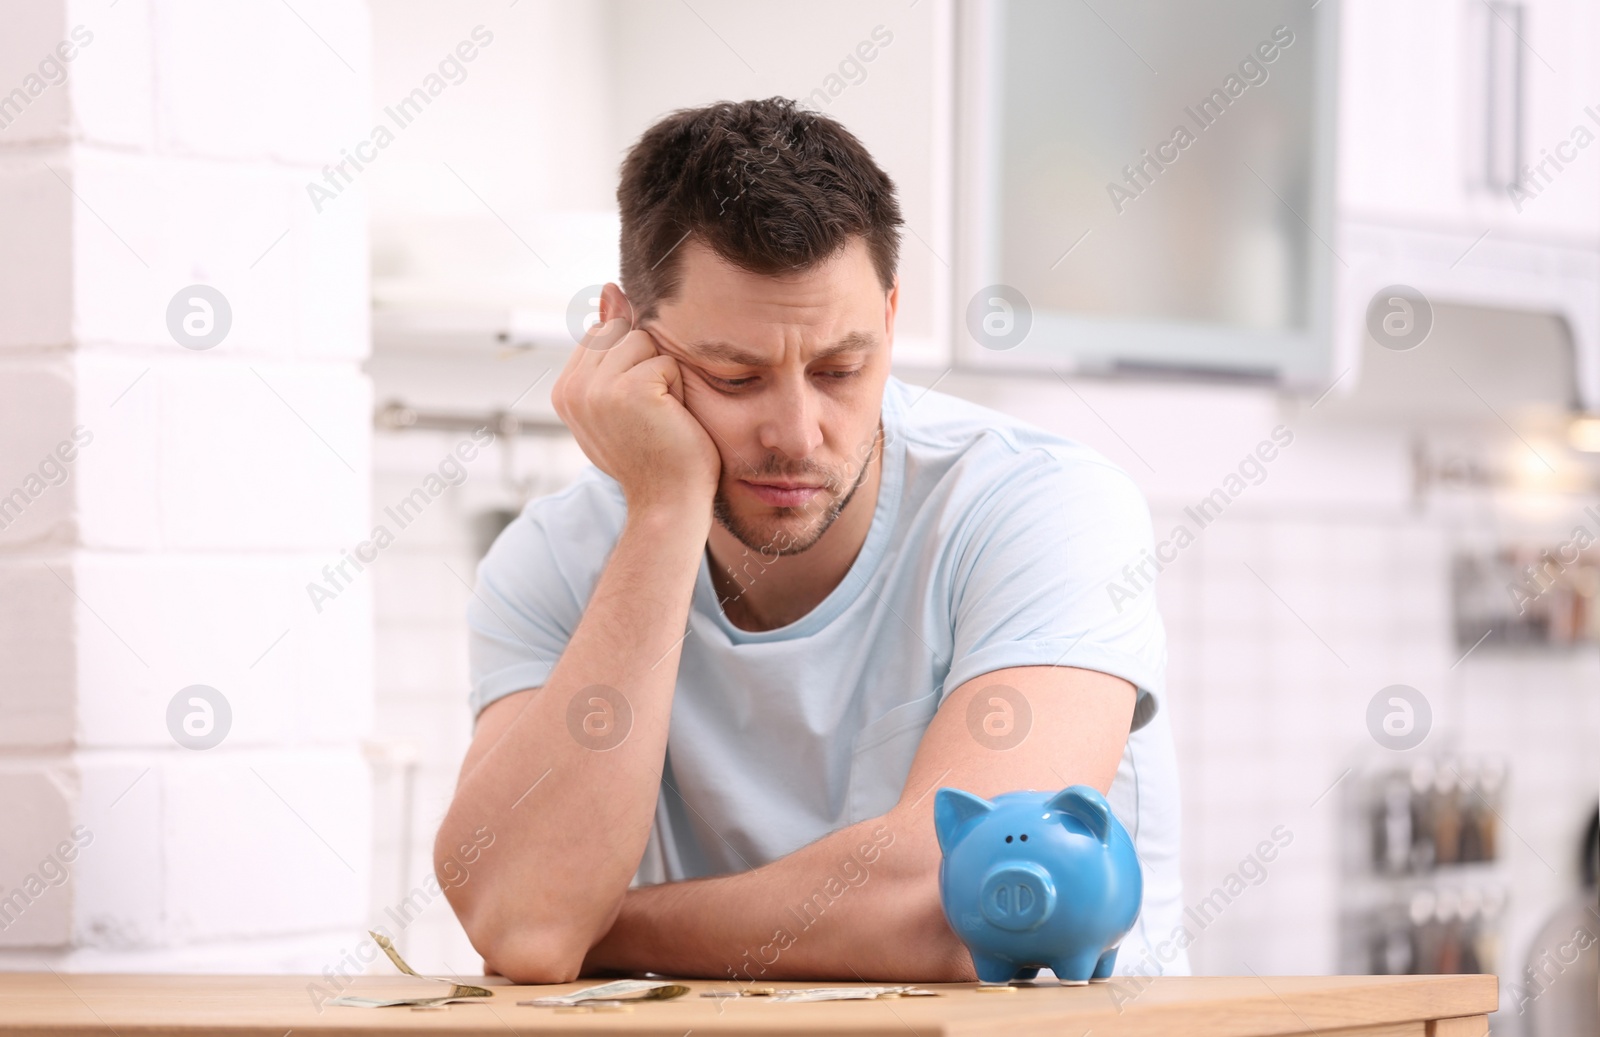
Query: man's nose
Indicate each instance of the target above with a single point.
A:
(790, 425)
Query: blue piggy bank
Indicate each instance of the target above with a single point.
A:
(1037, 879)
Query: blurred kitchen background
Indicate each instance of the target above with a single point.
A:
(1165, 230)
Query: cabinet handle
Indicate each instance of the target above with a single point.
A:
(1505, 24)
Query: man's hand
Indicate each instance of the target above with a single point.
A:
(622, 397)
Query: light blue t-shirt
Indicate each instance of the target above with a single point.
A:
(993, 545)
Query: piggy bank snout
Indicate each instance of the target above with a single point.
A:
(1017, 895)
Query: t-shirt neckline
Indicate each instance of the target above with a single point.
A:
(862, 570)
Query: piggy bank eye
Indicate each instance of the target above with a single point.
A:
(1024, 838)
(1008, 838)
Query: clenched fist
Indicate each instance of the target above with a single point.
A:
(622, 397)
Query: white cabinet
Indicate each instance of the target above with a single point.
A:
(1442, 102)
(1146, 188)
(1398, 156)
(1469, 163)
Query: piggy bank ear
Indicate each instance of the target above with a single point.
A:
(1085, 803)
(951, 809)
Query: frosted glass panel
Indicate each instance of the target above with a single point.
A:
(1157, 163)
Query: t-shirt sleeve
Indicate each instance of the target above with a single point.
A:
(531, 589)
(1044, 579)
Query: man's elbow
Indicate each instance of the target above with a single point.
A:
(521, 948)
(529, 960)
(513, 939)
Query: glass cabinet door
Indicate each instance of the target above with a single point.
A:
(1146, 184)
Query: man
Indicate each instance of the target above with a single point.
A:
(793, 597)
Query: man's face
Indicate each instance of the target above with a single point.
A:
(787, 374)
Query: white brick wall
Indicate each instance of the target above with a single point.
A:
(178, 546)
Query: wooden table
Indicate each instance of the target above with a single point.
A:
(1197, 1006)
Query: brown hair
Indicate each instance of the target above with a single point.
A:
(769, 186)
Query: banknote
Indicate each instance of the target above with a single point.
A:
(389, 1002)
(615, 992)
(458, 991)
(848, 993)
(823, 993)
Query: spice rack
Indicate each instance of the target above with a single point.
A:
(1424, 883)
(1529, 596)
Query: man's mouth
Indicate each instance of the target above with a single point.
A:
(783, 494)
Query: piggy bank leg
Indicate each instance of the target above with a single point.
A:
(1028, 973)
(1076, 970)
(1102, 969)
(994, 970)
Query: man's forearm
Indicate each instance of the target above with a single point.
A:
(570, 802)
(862, 902)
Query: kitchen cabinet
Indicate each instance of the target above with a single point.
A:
(1471, 117)
(1143, 188)
(1462, 153)
(1469, 165)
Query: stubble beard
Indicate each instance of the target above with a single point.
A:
(773, 538)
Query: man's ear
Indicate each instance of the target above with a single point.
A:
(891, 307)
(614, 304)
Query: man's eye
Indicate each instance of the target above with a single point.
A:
(740, 383)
